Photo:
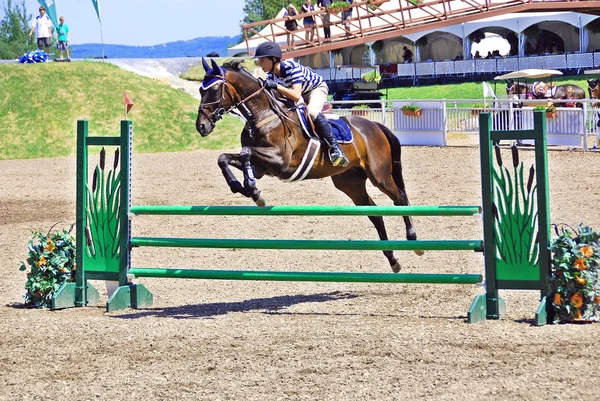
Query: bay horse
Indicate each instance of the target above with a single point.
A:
(594, 90)
(557, 92)
(273, 143)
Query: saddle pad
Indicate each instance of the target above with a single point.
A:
(339, 127)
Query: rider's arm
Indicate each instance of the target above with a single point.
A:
(295, 93)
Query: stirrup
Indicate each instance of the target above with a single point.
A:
(338, 158)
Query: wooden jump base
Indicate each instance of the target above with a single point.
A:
(112, 202)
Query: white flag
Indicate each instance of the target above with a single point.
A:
(488, 91)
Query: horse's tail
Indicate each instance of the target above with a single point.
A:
(396, 155)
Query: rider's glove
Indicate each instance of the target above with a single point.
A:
(270, 84)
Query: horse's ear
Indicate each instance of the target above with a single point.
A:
(592, 83)
(215, 66)
(205, 65)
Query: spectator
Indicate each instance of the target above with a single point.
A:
(459, 56)
(346, 16)
(569, 96)
(323, 4)
(407, 55)
(489, 55)
(477, 55)
(291, 24)
(42, 27)
(528, 49)
(309, 22)
(62, 35)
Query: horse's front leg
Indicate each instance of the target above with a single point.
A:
(249, 188)
(230, 159)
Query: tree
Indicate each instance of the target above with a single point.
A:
(261, 10)
(14, 30)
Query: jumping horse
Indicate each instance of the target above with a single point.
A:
(274, 143)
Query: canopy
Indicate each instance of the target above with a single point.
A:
(530, 73)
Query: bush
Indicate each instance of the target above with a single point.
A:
(52, 263)
(574, 287)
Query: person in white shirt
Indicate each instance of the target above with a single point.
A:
(42, 25)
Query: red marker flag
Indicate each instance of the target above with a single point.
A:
(128, 102)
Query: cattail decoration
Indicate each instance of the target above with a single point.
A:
(498, 155)
(495, 211)
(530, 180)
(515, 155)
(102, 158)
(116, 162)
(95, 180)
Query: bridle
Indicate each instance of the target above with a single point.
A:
(220, 111)
(238, 108)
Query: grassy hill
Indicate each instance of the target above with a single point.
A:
(41, 103)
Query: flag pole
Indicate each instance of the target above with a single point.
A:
(102, 41)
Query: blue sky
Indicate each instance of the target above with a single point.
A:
(145, 22)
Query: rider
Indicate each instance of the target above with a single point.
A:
(295, 81)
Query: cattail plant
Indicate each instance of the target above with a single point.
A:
(515, 213)
(103, 210)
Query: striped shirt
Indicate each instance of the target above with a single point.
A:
(293, 72)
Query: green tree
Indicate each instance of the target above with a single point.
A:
(261, 10)
(14, 29)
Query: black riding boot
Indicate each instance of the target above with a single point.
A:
(336, 154)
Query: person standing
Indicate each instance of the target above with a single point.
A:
(42, 25)
(407, 55)
(347, 16)
(309, 22)
(297, 82)
(323, 4)
(62, 35)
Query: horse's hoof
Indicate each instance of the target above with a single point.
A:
(420, 253)
(396, 267)
(260, 202)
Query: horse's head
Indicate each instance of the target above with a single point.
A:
(594, 88)
(223, 89)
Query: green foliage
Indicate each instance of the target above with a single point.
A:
(261, 10)
(574, 286)
(337, 6)
(52, 262)
(477, 36)
(44, 125)
(14, 30)
(372, 76)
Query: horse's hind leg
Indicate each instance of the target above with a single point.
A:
(352, 183)
(393, 187)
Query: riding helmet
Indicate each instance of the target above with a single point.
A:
(268, 49)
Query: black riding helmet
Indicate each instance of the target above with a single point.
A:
(268, 49)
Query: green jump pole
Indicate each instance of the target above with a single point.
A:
(369, 245)
(309, 276)
(308, 210)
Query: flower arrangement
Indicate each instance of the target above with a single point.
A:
(549, 109)
(574, 286)
(52, 263)
(411, 109)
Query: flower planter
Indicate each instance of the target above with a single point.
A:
(377, 2)
(336, 10)
(360, 112)
(550, 114)
(415, 113)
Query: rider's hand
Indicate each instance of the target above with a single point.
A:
(270, 84)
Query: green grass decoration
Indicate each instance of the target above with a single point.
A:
(103, 214)
(515, 220)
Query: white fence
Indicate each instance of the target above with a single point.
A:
(572, 127)
(568, 61)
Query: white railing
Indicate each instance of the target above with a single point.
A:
(571, 61)
(571, 126)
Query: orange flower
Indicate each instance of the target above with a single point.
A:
(577, 314)
(579, 264)
(597, 299)
(557, 299)
(577, 300)
(41, 262)
(587, 251)
(580, 280)
(50, 247)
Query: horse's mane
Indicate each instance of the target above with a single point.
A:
(237, 65)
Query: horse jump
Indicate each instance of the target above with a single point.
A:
(116, 266)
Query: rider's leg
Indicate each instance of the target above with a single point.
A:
(338, 158)
(315, 100)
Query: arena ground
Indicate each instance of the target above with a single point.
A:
(223, 340)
